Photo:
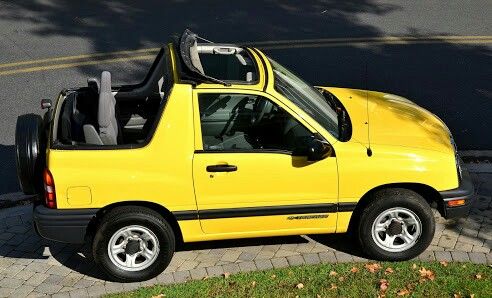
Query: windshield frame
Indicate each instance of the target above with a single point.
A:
(303, 95)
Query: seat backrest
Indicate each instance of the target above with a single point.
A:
(106, 114)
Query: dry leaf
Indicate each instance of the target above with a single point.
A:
(253, 284)
(318, 296)
(372, 267)
(273, 276)
(388, 270)
(478, 276)
(457, 295)
(444, 263)
(427, 273)
(354, 270)
(159, 296)
(205, 277)
(383, 285)
(332, 273)
(341, 278)
(333, 287)
(472, 295)
(403, 292)
(226, 274)
(414, 266)
(299, 286)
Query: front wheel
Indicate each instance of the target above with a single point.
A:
(133, 244)
(396, 225)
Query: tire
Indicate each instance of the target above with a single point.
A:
(138, 220)
(30, 149)
(406, 225)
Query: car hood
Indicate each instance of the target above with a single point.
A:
(388, 119)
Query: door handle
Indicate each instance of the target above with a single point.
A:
(221, 168)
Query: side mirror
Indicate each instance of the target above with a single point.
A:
(318, 149)
(45, 103)
(314, 148)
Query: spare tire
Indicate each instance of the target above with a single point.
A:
(30, 149)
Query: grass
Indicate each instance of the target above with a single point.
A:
(403, 279)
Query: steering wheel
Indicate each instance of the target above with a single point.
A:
(261, 107)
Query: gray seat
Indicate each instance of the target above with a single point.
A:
(106, 116)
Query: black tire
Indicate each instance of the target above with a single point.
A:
(30, 149)
(383, 200)
(121, 217)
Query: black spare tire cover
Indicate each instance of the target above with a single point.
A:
(30, 149)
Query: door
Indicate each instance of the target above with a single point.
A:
(246, 174)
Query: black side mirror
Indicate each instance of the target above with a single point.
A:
(314, 148)
(45, 103)
(318, 149)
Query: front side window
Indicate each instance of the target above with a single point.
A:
(305, 96)
(245, 122)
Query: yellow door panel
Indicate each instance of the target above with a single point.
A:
(245, 176)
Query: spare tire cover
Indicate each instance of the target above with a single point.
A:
(30, 148)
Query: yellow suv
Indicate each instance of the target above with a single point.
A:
(219, 142)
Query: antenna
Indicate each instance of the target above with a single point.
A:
(369, 150)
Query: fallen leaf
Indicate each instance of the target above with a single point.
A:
(478, 276)
(383, 285)
(333, 287)
(341, 278)
(253, 284)
(444, 263)
(457, 295)
(332, 273)
(159, 296)
(318, 296)
(226, 274)
(273, 276)
(205, 277)
(299, 286)
(403, 292)
(372, 267)
(472, 295)
(427, 274)
(354, 270)
(388, 270)
(414, 266)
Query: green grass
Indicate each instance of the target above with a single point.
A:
(464, 279)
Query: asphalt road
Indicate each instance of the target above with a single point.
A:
(450, 78)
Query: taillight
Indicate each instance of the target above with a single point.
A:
(49, 189)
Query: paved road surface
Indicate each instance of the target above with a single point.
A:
(450, 78)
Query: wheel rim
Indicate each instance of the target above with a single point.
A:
(133, 248)
(396, 229)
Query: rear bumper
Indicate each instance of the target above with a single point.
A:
(465, 191)
(63, 225)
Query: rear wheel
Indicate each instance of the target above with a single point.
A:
(397, 224)
(30, 147)
(133, 244)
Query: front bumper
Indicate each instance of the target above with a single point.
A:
(63, 225)
(465, 191)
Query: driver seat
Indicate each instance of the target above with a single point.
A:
(106, 116)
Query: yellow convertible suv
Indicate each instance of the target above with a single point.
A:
(219, 142)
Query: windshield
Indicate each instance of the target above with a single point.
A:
(305, 96)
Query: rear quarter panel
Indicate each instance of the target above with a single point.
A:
(160, 172)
